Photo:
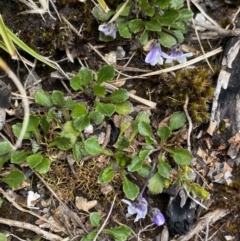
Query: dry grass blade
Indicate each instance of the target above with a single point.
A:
(18, 84)
(179, 66)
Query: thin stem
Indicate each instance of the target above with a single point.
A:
(155, 161)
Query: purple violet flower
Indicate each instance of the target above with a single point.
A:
(156, 216)
(155, 55)
(108, 29)
(177, 54)
(139, 206)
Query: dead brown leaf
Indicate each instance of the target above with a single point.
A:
(85, 205)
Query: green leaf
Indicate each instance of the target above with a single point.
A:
(105, 109)
(185, 15)
(79, 110)
(52, 115)
(177, 4)
(118, 96)
(71, 136)
(169, 17)
(82, 79)
(34, 159)
(15, 178)
(93, 148)
(120, 233)
(180, 156)
(33, 123)
(163, 168)
(179, 25)
(126, 122)
(149, 140)
(95, 218)
(143, 154)
(122, 143)
(43, 98)
(122, 160)
(124, 30)
(44, 166)
(3, 237)
(179, 35)
(136, 25)
(81, 123)
(167, 40)
(99, 90)
(144, 38)
(130, 189)
(153, 25)
(150, 12)
(96, 117)
(156, 184)
(69, 128)
(177, 120)
(135, 165)
(89, 237)
(17, 129)
(106, 175)
(100, 14)
(142, 116)
(125, 11)
(162, 3)
(164, 132)
(58, 98)
(144, 129)
(44, 124)
(5, 147)
(105, 73)
(77, 154)
(19, 156)
(144, 171)
(124, 108)
(143, 4)
(62, 142)
(69, 103)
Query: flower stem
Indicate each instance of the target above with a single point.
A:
(155, 160)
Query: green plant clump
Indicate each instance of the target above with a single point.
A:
(65, 126)
(165, 20)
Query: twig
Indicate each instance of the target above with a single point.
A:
(105, 222)
(45, 234)
(209, 218)
(190, 125)
(107, 136)
(221, 32)
(207, 231)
